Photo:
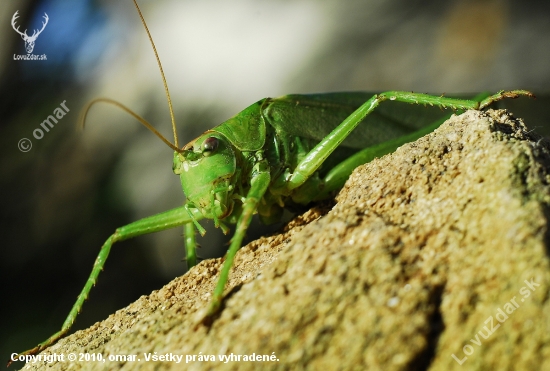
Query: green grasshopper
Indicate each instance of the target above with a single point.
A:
(277, 153)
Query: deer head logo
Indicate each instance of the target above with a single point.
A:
(29, 40)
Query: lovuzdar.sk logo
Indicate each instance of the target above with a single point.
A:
(29, 40)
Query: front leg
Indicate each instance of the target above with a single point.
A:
(190, 245)
(159, 222)
(258, 186)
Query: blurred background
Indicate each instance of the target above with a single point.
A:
(73, 188)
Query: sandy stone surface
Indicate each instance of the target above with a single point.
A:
(434, 257)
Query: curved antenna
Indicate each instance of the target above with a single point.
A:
(84, 113)
(162, 74)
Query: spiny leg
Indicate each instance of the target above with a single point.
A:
(512, 94)
(338, 175)
(258, 187)
(311, 162)
(190, 245)
(159, 222)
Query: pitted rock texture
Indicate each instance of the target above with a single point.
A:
(434, 257)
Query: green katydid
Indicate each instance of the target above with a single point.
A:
(277, 153)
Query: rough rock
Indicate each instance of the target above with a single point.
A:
(434, 257)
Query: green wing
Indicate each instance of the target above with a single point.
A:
(316, 115)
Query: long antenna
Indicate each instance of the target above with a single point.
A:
(84, 113)
(162, 74)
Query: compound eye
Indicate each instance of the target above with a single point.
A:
(209, 146)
